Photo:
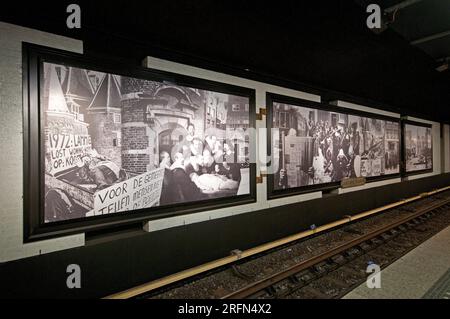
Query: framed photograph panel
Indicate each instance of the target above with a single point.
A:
(314, 146)
(107, 144)
(417, 148)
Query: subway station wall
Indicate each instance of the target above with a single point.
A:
(11, 153)
(118, 262)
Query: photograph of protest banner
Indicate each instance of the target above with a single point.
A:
(418, 147)
(319, 146)
(113, 143)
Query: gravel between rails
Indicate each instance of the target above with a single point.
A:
(217, 284)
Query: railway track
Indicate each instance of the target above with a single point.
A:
(328, 265)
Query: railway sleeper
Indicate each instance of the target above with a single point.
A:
(365, 246)
(353, 252)
(376, 241)
(395, 232)
(331, 264)
(294, 280)
(320, 268)
(386, 236)
(270, 290)
(281, 286)
(305, 275)
(339, 259)
(409, 224)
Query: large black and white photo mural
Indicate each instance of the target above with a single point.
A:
(114, 143)
(319, 146)
(418, 147)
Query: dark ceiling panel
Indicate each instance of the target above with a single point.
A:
(423, 19)
(439, 48)
(324, 44)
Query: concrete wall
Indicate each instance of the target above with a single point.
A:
(11, 141)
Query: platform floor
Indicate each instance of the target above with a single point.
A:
(422, 273)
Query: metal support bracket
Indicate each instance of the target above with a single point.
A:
(349, 217)
(262, 112)
(260, 178)
(237, 253)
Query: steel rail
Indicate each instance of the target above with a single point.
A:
(265, 283)
(201, 269)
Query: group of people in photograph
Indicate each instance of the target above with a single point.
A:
(337, 148)
(418, 148)
(199, 168)
(335, 151)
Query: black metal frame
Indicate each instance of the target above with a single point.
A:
(403, 147)
(34, 228)
(271, 98)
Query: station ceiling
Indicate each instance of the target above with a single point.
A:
(323, 44)
(425, 24)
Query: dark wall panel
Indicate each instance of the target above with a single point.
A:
(322, 44)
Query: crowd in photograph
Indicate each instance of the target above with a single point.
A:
(199, 168)
(336, 150)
